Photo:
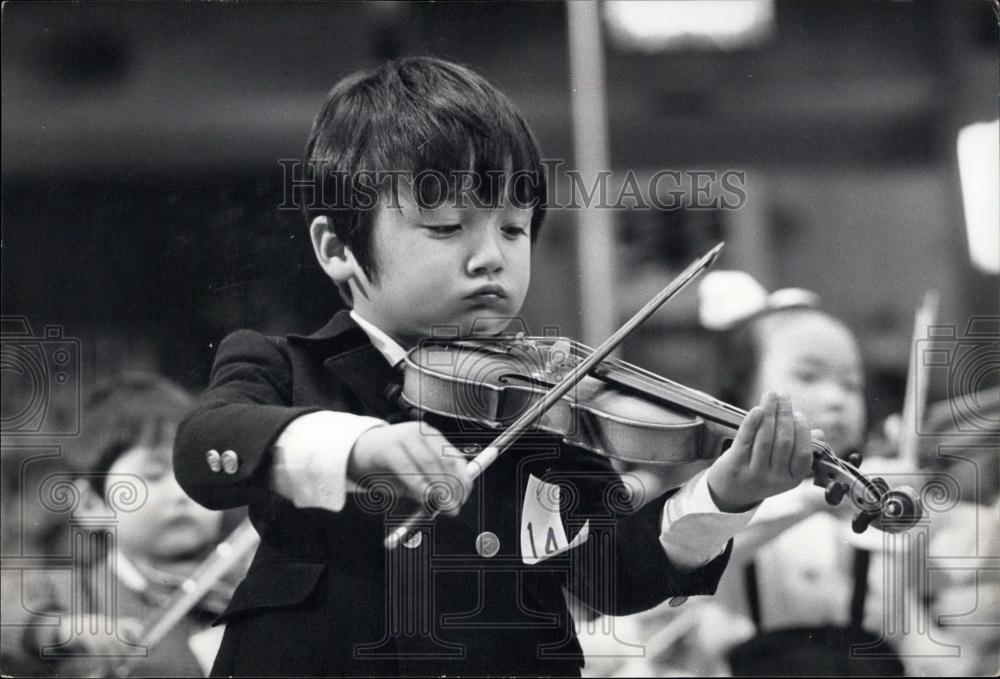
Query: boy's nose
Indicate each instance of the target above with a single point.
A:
(486, 257)
(833, 395)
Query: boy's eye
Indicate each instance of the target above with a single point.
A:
(514, 230)
(853, 384)
(154, 475)
(806, 376)
(442, 229)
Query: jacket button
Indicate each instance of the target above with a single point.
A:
(214, 461)
(230, 462)
(676, 601)
(487, 544)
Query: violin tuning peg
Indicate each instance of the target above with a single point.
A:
(835, 493)
(860, 522)
(854, 459)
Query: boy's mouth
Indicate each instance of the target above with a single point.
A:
(487, 293)
(180, 521)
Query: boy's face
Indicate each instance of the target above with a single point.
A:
(169, 525)
(456, 266)
(816, 361)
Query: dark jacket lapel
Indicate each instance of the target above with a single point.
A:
(352, 358)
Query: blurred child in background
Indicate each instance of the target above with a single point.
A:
(147, 536)
(811, 590)
(817, 593)
(799, 593)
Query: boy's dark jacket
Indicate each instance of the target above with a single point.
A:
(323, 597)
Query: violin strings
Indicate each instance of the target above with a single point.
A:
(708, 399)
(655, 381)
(658, 381)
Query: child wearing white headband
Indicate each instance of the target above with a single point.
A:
(810, 594)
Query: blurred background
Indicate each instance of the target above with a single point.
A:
(141, 181)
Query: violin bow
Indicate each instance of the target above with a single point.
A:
(223, 558)
(915, 401)
(484, 459)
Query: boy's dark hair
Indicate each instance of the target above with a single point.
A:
(417, 115)
(124, 411)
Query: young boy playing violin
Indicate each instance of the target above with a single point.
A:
(305, 430)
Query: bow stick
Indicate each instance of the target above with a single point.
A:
(915, 401)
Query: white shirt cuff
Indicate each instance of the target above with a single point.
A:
(798, 501)
(694, 530)
(310, 458)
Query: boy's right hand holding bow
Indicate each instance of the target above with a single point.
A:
(413, 457)
(320, 457)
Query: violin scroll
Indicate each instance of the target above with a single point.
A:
(899, 510)
(891, 510)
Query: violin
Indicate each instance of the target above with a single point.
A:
(609, 407)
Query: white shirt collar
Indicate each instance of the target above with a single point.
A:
(386, 345)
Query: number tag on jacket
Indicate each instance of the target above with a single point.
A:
(542, 532)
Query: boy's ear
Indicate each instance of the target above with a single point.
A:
(333, 256)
